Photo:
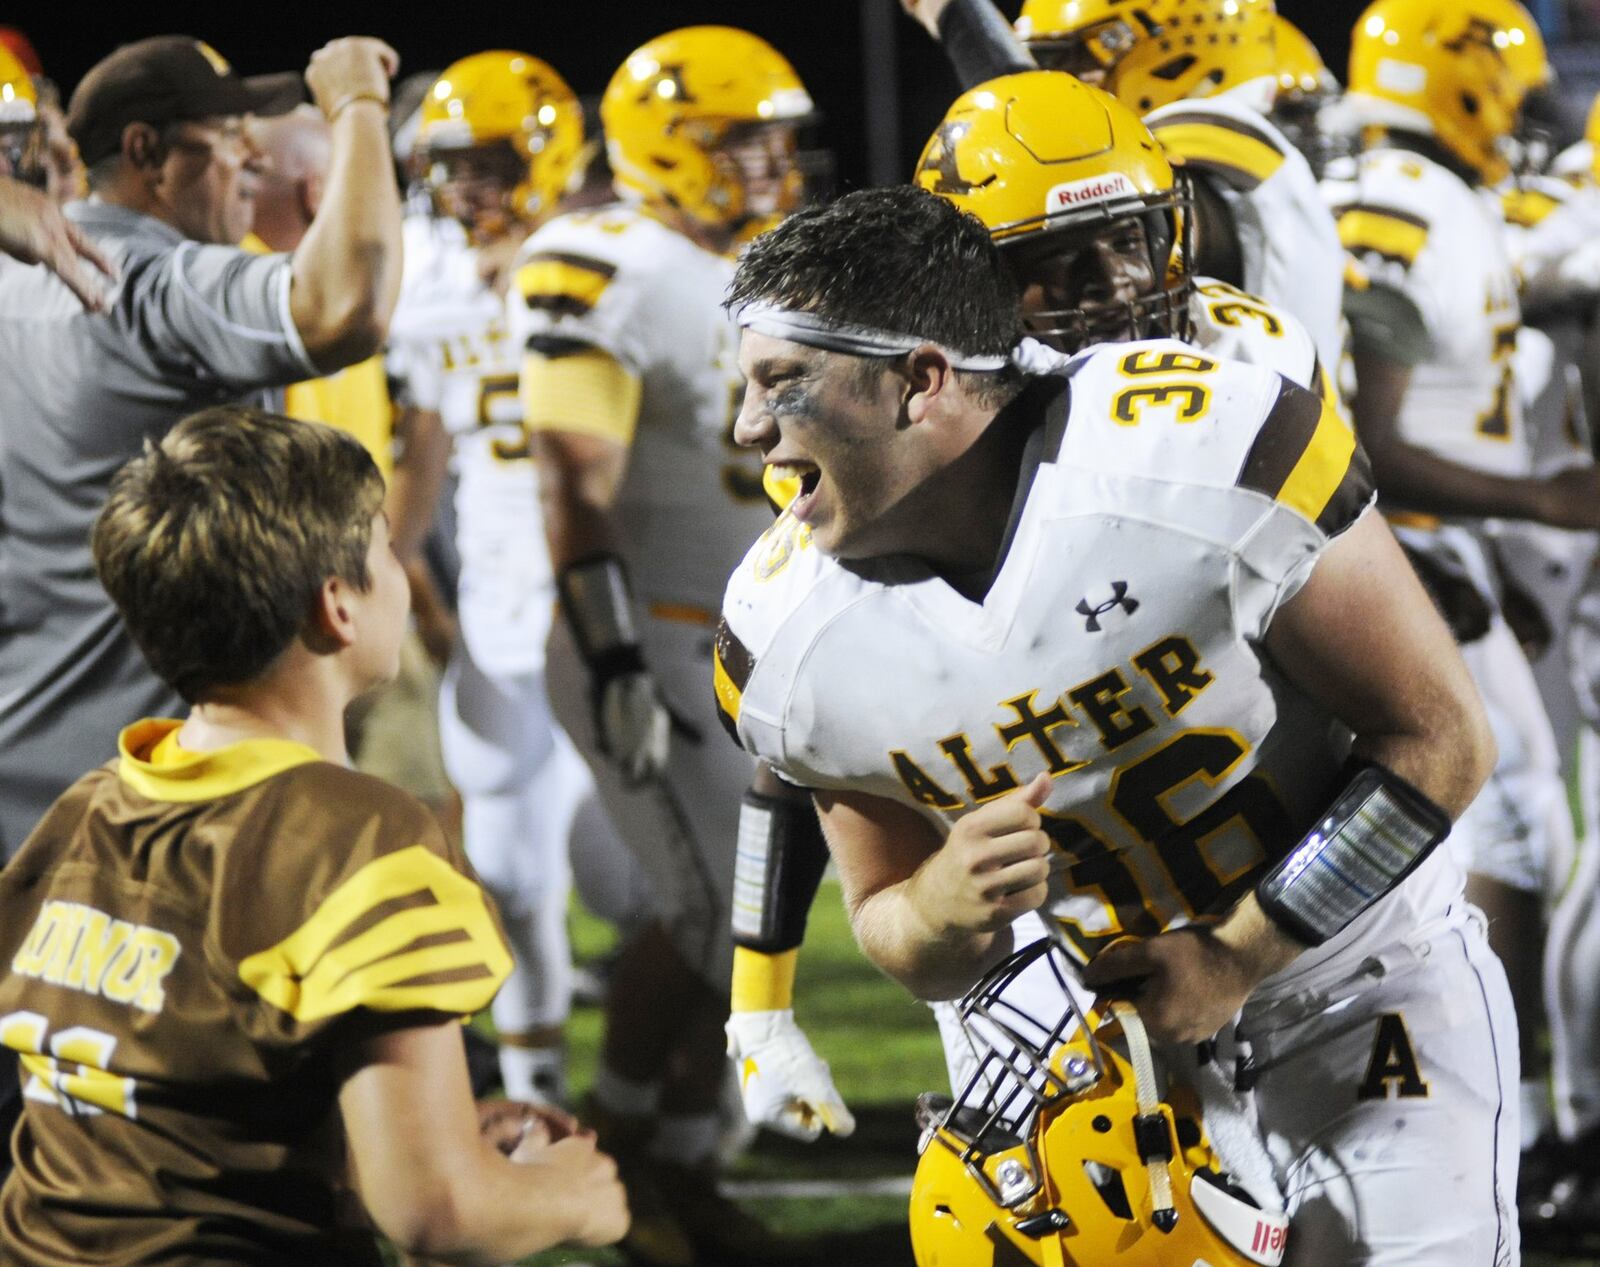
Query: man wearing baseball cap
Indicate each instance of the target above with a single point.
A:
(190, 321)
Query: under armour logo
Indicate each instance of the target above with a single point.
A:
(1119, 598)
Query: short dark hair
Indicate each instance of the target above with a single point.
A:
(896, 258)
(215, 542)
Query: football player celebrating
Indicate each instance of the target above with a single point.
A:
(1153, 572)
(501, 136)
(1103, 262)
(1203, 73)
(237, 967)
(630, 387)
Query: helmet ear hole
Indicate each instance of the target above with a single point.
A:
(1175, 69)
(1469, 102)
(1108, 1183)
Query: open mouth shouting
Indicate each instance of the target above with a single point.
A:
(798, 480)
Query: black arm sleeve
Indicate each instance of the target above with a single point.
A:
(781, 857)
(979, 44)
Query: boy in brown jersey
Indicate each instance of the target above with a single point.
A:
(234, 969)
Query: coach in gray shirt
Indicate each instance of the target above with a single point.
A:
(190, 321)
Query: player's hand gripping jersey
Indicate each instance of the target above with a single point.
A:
(618, 281)
(1290, 251)
(452, 349)
(1418, 228)
(194, 943)
(1192, 498)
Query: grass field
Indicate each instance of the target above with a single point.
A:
(884, 1050)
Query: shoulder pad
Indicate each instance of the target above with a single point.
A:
(1529, 205)
(1164, 411)
(569, 263)
(1225, 138)
(777, 582)
(1233, 323)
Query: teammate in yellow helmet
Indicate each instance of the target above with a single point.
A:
(1150, 54)
(1305, 88)
(702, 128)
(628, 387)
(503, 137)
(21, 131)
(1457, 73)
(1438, 86)
(1203, 75)
(500, 137)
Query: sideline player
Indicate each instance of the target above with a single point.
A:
(232, 957)
(1120, 642)
(1439, 85)
(1551, 221)
(630, 388)
(501, 140)
(1203, 74)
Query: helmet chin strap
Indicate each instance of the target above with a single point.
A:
(811, 329)
(1146, 1097)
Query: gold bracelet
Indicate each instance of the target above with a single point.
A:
(351, 98)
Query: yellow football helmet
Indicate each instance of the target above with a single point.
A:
(1156, 51)
(1456, 69)
(1302, 74)
(21, 130)
(1041, 152)
(679, 99)
(512, 106)
(1062, 1150)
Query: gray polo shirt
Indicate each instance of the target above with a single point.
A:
(189, 326)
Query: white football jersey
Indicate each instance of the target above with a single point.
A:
(1229, 324)
(1290, 246)
(619, 280)
(1176, 503)
(452, 350)
(1414, 225)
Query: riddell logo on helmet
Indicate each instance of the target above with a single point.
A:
(1268, 1242)
(1082, 193)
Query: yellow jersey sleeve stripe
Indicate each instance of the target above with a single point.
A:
(589, 392)
(1243, 158)
(1305, 457)
(1386, 233)
(405, 931)
(730, 674)
(1527, 207)
(1322, 467)
(563, 284)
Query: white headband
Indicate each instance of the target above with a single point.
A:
(814, 330)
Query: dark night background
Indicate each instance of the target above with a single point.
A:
(825, 39)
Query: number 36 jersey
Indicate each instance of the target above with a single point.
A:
(1174, 503)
